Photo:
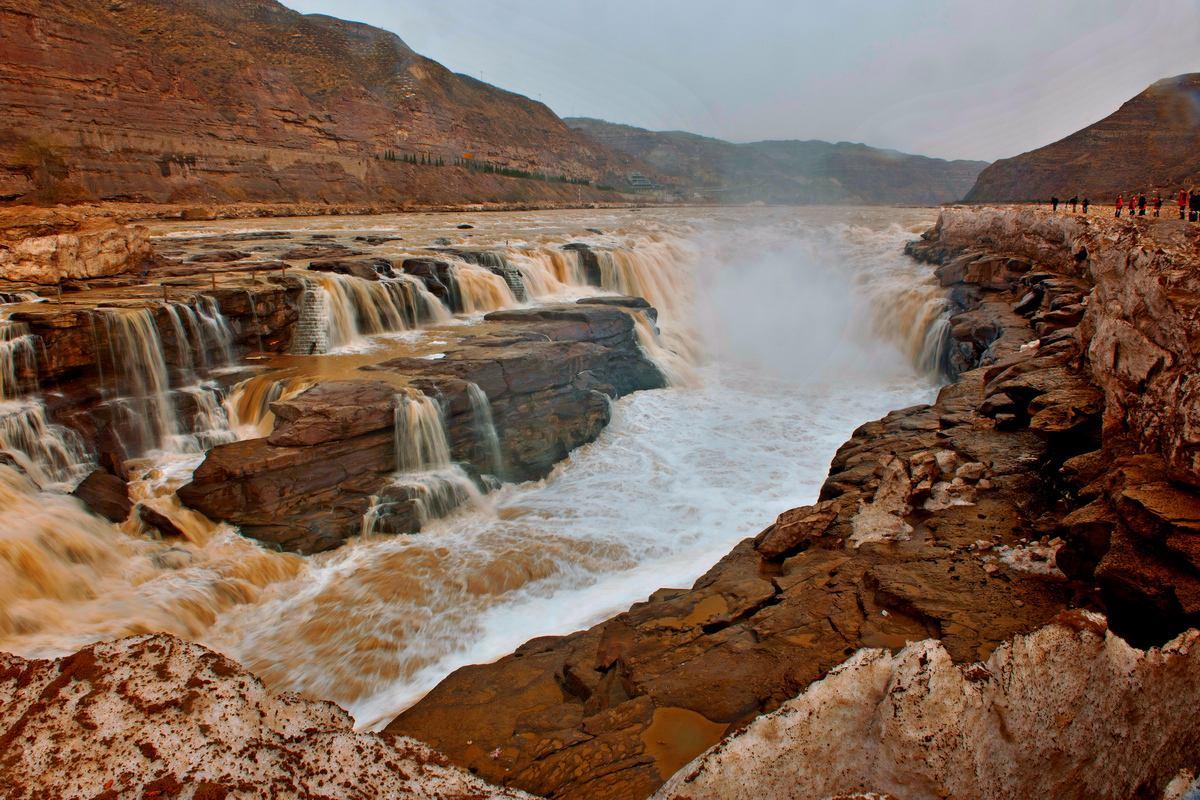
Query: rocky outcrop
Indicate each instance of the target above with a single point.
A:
(1152, 142)
(94, 250)
(936, 521)
(547, 375)
(787, 171)
(157, 717)
(1130, 287)
(1046, 715)
(195, 102)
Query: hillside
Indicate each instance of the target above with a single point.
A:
(788, 171)
(1152, 142)
(246, 100)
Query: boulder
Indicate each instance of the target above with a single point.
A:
(106, 495)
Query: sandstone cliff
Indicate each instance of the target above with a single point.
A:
(246, 100)
(788, 171)
(157, 717)
(1152, 142)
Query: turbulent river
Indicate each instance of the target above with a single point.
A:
(782, 331)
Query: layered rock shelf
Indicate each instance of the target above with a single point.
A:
(548, 375)
(1029, 487)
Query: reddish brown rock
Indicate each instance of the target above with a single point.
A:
(105, 494)
(205, 102)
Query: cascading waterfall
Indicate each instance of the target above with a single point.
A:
(426, 480)
(52, 455)
(248, 405)
(139, 385)
(485, 427)
(340, 310)
(481, 290)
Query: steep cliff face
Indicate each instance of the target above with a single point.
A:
(157, 717)
(247, 100)
(1150, 142)
(788, 171)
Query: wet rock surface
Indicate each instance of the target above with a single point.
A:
(548, 375)
(154, 716)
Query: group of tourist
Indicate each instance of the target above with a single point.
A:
(1136, 205)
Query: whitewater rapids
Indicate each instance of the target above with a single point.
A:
(786, 330)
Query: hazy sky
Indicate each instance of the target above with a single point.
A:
(936, 77)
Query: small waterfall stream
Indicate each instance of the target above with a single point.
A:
(485, 428)
(426, 484)
(53, 456)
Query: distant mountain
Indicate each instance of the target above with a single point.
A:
(1152, 142)
(787, 171)
(178, 100)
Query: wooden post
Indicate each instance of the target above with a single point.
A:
(214, 280)
(164, 288)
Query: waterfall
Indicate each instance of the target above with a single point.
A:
(419, 434)
(340, 310)
(426, 484)
(53, 456)
(18, 360)
(139, 390)
(481, 290)
(485, 427)
(136, 381)
(248, 406)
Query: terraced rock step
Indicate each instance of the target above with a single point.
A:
(548, 375)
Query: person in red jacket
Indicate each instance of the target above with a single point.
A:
(1120, 202)
(1183, 198)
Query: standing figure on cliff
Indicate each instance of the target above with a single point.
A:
(1074, 201)
(1085, 205)
(1195, 205)
(1183, 198)
(1142, 204)
(1157, 203)
(1054, 203)
(1120, 202)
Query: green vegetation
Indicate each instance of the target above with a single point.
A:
(486, 167)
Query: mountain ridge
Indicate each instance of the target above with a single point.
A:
(1150, 143)
(787, 170)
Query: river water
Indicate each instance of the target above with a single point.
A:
(782, 331)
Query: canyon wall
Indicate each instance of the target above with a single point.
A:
(245, 100)
(1152, 142)
(1135, 530)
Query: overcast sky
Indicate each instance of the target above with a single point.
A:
(963, 79)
